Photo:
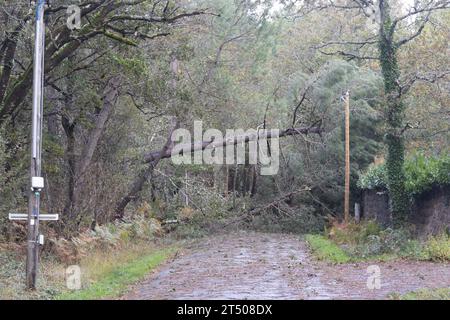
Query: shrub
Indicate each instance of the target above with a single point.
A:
(353, 233)
(438, 248)
(107, 236)
(368, 240)
(413, 249)
(374, 178)
(421, 172)
(388, 241)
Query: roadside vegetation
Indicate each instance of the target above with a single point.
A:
(424, 294)
(367, 241)
(422, 173)
(111, 258)
(115, 279)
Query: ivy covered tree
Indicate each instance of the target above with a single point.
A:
(395, 111)
(383, 45)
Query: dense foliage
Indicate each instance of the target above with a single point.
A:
(422, 173)
(114, 88)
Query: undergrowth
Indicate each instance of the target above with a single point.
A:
(424, 294)
(110, 258)
(367, 241)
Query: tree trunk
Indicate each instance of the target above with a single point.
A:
(78, 166)
(110, 96)
(69, 129)
(236, 167)
(226, 182)
(143, 176)
(394, 113)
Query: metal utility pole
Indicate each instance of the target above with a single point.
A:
(347, 158)
(34, 239)
(36, 148)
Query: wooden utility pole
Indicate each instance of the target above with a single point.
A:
(347, 158)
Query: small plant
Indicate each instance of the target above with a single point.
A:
(368, 241)
(438, 248)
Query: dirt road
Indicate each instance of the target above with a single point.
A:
(248, 265)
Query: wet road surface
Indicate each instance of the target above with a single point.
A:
(249, 265)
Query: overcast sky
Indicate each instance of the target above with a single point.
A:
(407, 4)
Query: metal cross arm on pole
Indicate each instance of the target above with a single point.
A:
(24, 217)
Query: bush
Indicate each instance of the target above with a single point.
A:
(105, 237)
(388, 241)
(421, 173)
(438, 248)
(374, 178)
(368, 240)
(353, 233)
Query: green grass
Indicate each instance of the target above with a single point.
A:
(424, 294)
(115, 283)
(324, 249)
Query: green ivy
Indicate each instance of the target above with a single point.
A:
(421, 174)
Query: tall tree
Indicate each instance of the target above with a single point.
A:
(393, 32)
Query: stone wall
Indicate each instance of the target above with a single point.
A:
(431, 211)
(375, 206)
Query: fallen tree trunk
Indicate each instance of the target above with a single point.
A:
(200, 146)
(154, 157)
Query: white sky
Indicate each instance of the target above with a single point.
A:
(407, 4)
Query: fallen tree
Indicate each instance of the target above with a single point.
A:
(153, 158)
(213, 144)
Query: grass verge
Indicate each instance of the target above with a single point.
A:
(324, 249)
(114, 283)
(424, 294)
(105, 273)
(368, 242)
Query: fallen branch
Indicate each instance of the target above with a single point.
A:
(256, 211)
